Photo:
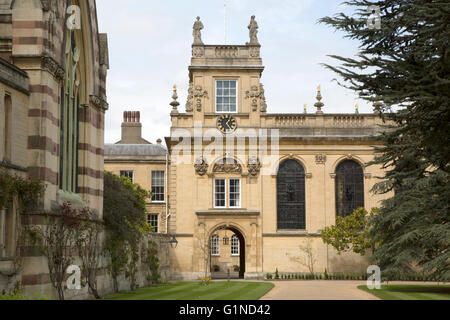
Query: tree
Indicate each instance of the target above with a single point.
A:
(406, 64)
(124, 210)
(89, 246)
(151, 261)
(58, 239)
(308, 258)
(350, 233)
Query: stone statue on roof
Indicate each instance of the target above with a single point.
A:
(198, 26)
(253, 27)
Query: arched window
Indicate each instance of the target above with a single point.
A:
(215, 245)
(349, 187)
(291, 196)
(69, 125)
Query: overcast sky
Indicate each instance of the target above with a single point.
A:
(150, 50)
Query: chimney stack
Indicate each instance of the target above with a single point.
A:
(132, 129)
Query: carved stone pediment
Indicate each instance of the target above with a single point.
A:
(227, 165)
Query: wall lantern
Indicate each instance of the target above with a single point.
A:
(173, 242)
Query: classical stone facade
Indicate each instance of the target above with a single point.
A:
(53, 103)
(144, 163)
(275, 180)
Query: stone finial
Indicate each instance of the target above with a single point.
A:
(197, 32)
(319, 104)
(174, 103)
(357, 109)
(377, 107)
(253, 30)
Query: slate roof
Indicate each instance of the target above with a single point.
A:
(134, 150)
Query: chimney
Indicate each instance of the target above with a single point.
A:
(132, 128)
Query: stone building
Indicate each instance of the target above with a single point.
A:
(53, 69)
(274, 180)
(144, 163)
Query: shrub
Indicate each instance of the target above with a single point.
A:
(216, 268)
(268, 276)
(277, 276)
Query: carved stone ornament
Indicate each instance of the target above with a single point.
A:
(263, 98)
(98, 102)
(227, 165)
(226, 51)
(190, 98)
(201, 167)
(50, 65)
(198, 52)
(256, 95)
(254, 166)
(321, 158)
(254, 52)
(198, 94)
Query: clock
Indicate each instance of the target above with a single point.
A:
(226, 123)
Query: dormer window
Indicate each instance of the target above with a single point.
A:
(226, 96)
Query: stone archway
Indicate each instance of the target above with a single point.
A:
(227, 258)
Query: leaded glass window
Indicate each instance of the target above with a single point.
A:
(69, 124)
(349, 187)
(291, 196)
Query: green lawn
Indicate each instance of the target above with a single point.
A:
(410, 292)
(220, 290)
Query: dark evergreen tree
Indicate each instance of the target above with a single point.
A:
(406, 64)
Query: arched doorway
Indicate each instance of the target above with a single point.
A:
(226, 251)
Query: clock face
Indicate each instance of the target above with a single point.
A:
(226, 123)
